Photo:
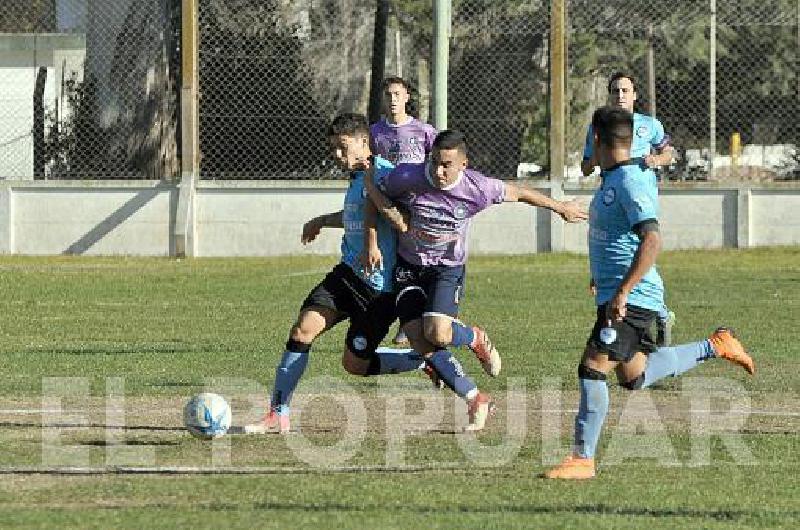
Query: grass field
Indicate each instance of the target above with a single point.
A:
(145, 334)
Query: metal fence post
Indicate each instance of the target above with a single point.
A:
(441, 52)
(712, 88)
(558, 59)
(184, 234)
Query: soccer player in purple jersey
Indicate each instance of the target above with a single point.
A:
(441, 197)
(399, 137)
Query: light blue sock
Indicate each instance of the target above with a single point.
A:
(287, 375)
(452, 374)
(675, 360)
(591, 416)
(398, 360)
(462, 334)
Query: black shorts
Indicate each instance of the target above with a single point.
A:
(427, 290)
(629, 336)
(371, 312)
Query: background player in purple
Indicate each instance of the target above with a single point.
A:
(441, 197)
(399, 137)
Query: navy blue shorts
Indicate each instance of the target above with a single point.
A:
(628, 337)
(427, 290)
(371, 312)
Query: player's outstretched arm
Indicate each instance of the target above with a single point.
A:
(313, 227)
(396, 217)
(571, 211)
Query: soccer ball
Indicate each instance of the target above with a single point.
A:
(207, 416)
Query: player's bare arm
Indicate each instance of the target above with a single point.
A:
(396, 217)
(643, 260)
(571, 211)
(313, 227)
(371, 258)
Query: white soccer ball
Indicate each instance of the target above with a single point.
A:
(207, 416)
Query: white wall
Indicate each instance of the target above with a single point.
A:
(266, 218)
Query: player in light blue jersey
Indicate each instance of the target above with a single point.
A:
(345, 293)
(624, 242)
(651, 148)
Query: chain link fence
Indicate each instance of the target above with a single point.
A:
(88, 89)
(754, 79)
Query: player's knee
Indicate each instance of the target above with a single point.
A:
(359, 365)
(584, 372)
(633, 384)
(352, 364)
(302, 334)
(437, 333)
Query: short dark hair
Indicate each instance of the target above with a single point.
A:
(349, 124)
(621, 75)
(613, 125)
(451, 139)
(395, 80)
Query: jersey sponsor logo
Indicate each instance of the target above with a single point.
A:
(609, 195)
(433, 239)
(642, 131)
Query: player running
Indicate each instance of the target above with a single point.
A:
(345, 293)
(624, 242)
(651, 148)
(441, 197)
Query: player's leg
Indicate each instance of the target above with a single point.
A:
(412, 302)
(363, 356)
(605, 349)
(400, 337)
(445, 288)
(664, 324)
(318, 313)
(674, 360)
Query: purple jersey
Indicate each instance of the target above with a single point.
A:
(407, 143)
(440, 218)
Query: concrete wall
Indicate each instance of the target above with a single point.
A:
(266, 218)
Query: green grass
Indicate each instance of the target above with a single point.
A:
(166, 327)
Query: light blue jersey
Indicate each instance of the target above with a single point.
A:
(353, 220)
(648, 135)
(625, 199)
